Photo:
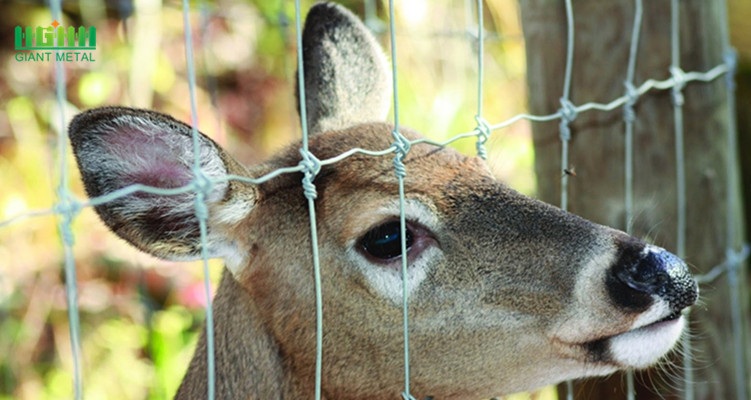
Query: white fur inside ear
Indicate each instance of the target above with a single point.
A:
(151, 152)
(154, 153)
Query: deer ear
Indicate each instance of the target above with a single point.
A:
(347, 78)
(116, 147)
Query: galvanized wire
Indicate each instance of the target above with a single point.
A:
(733, 260)
(629, 116)
(401, 148)
(310, 168)
(67, 208)
(680, 180)
(201, 186)
(483, 129)
(568, 111)
(567, 114)
(644, 88)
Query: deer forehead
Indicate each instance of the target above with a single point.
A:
(361, 190)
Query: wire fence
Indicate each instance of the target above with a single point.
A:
(68, 206)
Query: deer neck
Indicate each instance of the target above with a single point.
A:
(248, 362)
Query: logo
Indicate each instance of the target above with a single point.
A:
(70, 44)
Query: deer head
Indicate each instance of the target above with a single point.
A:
(506, 293)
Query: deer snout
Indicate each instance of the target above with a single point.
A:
(645, 273)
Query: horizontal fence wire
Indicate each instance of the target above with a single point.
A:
(643, 89)
(68, 206)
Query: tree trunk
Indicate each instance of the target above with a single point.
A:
(740, 29)
(596, 153)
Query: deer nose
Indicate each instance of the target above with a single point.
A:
(641, 274)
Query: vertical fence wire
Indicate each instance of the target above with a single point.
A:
(677, 98)
(480, 58)
(202, 187)
(733, 260)
(629, 117)
(483, 129)
(311, 168)
(67, 207)
(401, 145)
(568, 110)
(568, 114)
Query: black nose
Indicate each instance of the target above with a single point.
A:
(644, 271)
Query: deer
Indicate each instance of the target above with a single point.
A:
(506, 293)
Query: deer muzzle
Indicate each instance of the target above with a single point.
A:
(653, 287)
(645, 274)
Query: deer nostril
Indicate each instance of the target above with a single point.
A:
(651, 271)
(646, 275)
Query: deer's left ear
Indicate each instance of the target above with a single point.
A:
(117, 147)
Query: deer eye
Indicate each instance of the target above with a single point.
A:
(384, 243)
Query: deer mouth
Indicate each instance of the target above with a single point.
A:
(638, 347)
(649, 328)
(671, 317)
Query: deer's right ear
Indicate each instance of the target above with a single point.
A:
(117, 147)
(347, 76)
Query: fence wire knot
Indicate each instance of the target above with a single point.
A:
(202, 186)
(730, 57)
(201, 182)
(568, 110)
(402, 146)
(311, 167)
(483, 132)
(68, 207)
(632, 95)
(679, 79)
(734, 259)
(568, 114)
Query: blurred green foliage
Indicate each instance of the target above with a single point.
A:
(141, 316)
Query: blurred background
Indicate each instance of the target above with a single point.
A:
(140, 316)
